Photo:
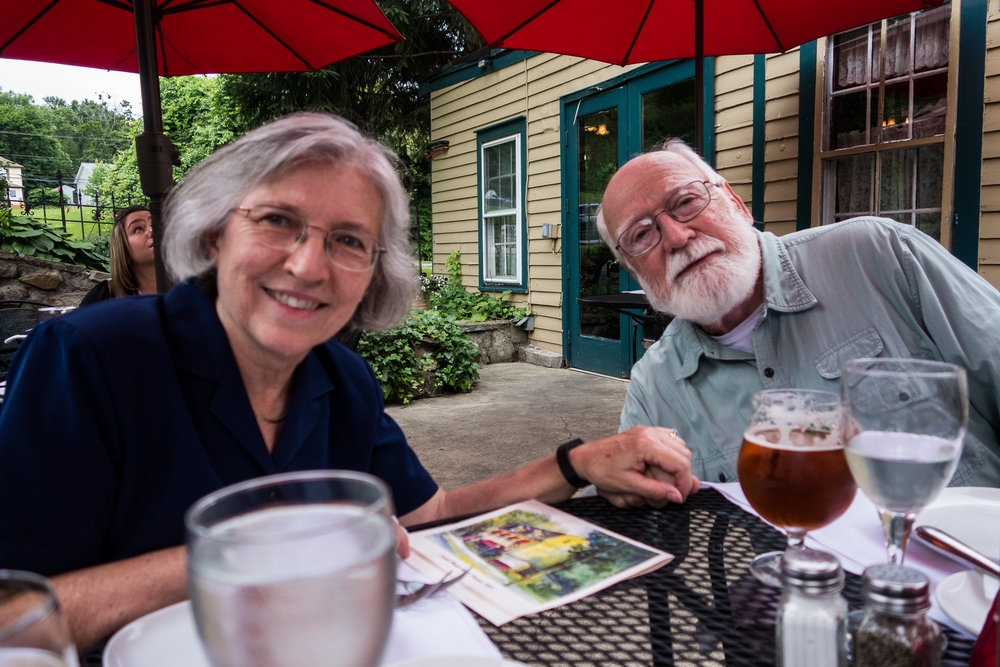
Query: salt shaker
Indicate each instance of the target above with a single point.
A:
(812, 618)
(894, 630)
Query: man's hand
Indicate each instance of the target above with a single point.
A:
(643, 465)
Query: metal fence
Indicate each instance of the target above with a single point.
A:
(70, 211)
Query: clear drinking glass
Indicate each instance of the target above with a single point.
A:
(792, 468)
(33, 632)
(905, 422)
(294, 569)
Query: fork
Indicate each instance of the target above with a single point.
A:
(421, 590)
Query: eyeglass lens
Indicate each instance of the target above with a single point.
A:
(683, 205)
(281, 229)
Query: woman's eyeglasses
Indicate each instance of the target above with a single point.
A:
(281, 229)
(684, 204)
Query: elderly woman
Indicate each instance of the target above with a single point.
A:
(120, 416)
(132, 268)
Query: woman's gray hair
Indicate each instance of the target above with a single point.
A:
(200, 204)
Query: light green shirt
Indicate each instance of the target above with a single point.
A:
(864, 287)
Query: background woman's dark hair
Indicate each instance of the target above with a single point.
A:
(123, 281)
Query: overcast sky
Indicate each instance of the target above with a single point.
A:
(70, 83)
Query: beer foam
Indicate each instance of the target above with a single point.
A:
(793, 439)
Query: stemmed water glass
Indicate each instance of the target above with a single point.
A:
(905, 422)
(33, 632)
(791, 467)
(294, 569)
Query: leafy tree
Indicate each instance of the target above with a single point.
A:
(91, 131)
(27, 136)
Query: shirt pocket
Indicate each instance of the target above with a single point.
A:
(865, 343)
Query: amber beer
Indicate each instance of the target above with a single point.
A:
(796, 479)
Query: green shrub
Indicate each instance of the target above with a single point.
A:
(449, 297)
(393, 355)
(33, 238)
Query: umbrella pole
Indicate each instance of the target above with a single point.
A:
(699, 76)
(155, 153)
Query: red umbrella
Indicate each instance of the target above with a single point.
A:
(637, 31)
(175, 37)
(196, 36)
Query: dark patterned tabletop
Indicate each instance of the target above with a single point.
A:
(703, 608)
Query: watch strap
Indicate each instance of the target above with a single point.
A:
(566, 468)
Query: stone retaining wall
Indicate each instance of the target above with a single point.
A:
(53, 283)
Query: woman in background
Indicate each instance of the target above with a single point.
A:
(132, 268)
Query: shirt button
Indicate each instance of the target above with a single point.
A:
(769, 372)
(722, 477)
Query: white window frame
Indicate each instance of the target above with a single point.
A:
(487, 242)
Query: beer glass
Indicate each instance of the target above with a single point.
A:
(792, 468)
(33, 632)
(905, 422)
(294, 569)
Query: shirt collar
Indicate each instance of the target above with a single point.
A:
(784, 291)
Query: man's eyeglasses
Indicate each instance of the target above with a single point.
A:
(683, 204)
(281, 229)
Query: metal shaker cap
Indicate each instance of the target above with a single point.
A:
(896, 589)
(811, 571)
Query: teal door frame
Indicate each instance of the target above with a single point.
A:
(625, 93)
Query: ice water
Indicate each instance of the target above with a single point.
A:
(30, 657)
(902, 472)
(310, 585)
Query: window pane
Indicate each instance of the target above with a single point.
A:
(855, 176)
(599, 272)
(500, 191)
(930, 174)
(850, 59)
(897, 48)
(930, 224)
(896, 182)
(502, 237)
(667, 113)
(930, 104)
(849, 123)
(932, 39)
(896, 112)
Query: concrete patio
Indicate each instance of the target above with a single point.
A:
(516, 413)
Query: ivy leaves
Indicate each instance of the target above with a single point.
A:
(428, 347)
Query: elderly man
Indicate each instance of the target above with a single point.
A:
(755, 311)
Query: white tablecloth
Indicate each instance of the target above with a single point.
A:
(857, 539)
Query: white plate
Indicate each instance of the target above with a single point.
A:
(165, 638)
(969, 513)
(964, 598)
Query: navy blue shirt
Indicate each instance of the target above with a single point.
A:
(119, 416)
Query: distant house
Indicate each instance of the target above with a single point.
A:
(83, 175)
(15, 185)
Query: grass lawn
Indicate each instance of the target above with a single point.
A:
(80, 223)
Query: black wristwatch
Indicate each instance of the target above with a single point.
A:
(562, 458)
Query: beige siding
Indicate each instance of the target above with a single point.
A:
(530, 89)
(734, 122)
(781, 148)
(989, 229)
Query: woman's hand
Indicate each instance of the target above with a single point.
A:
(402, 540)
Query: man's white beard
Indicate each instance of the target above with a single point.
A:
(710, 292)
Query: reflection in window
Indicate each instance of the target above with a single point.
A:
(887, 85)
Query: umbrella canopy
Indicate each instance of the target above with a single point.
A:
(638, 31)
(175, 37)
(196, 36)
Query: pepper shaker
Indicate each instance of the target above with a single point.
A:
(894, 630)
(811, 622)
